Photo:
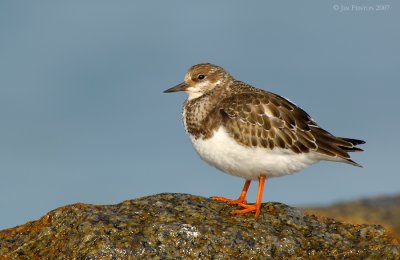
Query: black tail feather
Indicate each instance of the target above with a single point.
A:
(353, 163)
(352, 149)
(353, 141)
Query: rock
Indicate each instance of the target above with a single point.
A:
(384, 210)
(186, 226)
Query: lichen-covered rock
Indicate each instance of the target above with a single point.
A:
(186, 226)
(383, 210)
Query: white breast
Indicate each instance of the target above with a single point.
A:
(224, 153)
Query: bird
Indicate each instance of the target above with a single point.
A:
(252, 133)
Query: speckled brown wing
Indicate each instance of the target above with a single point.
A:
(264, 119)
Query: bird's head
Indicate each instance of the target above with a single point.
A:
(201, 79)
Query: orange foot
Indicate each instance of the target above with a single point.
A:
(248, 208)
(253, 207)
(230, 201)
(242, 197)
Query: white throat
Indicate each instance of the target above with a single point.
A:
(193, 93)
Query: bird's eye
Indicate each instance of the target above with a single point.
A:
(201, 76)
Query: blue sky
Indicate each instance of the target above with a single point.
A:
(84, 119)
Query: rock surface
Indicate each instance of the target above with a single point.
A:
(384, 210)
(186, 226)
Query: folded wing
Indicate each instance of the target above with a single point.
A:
(264, 119)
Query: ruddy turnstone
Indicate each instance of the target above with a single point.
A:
(252, 133)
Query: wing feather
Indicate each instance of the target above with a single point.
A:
(264, 119)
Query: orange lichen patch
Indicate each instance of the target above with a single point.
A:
(196, 199)
(32, 227)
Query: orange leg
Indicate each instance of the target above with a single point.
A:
(242, 197)
(253, 207)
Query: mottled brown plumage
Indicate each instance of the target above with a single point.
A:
(257, 118)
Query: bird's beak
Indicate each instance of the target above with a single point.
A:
(181, 87)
